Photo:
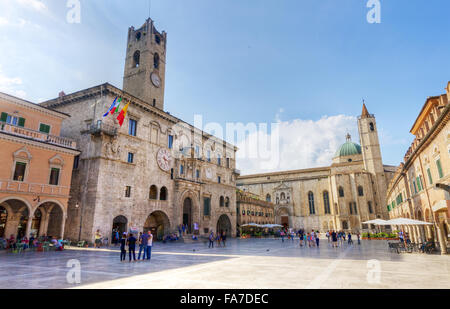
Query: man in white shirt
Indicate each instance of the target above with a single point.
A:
(149, 245)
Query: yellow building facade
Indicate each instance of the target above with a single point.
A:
(414, 191)
(35, 169)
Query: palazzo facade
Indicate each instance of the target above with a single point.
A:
(156, 171)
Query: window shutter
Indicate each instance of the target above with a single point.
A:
(3, 117)
(439, 166)
(21, 122)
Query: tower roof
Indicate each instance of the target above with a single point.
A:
(365, 112)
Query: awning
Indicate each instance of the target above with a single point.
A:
(377, 222)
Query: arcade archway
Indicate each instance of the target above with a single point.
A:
(48, 220)
(224, 225)
(14, 216)
(158, 223)
(120, 224)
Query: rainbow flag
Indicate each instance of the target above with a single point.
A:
(122, 114)
(116, 107)
(112, 106)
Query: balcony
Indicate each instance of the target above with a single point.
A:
(37, 136)
(36, 188)
(100, 127)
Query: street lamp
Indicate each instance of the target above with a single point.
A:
(77, 206)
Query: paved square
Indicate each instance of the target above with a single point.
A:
(244, 263)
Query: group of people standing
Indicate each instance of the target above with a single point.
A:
(220, 237)
(337, 238)
(145, 242)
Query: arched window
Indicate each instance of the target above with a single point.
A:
(136, 59)
(345, 225)
(268, 198)
(156, 61)
(372, 127)
(157, 39)
(360, 191)
(312, 210)
(153, 192)
(221, 201)
(326, 202)
(341, 192)
(282, 196)
(138, 36)
(163, 194)
(227, 202)
(369, 205)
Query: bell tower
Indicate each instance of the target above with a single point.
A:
(145, 64)
(373, 162)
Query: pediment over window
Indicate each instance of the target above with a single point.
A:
(56, 160)
(22, 153)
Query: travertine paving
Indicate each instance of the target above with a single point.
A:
(248, 263)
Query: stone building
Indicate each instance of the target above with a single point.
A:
(341, 196)
(35, 169)
(412, 193)
(156, 171)
(253, 209)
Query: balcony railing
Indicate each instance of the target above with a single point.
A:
(37, 136)
(101, 127)
(36, 188)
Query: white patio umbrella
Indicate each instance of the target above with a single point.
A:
(377, 222)
(406, 221)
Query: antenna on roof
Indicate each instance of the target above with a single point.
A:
(149, 8)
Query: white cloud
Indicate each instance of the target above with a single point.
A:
(33, 4)
(302, 144)
(3, 21)
(10, 85)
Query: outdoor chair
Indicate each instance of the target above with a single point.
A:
(81, 243)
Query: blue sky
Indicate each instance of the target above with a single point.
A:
(296, 61)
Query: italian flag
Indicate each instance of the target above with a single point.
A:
(122, 114)
(116, 107)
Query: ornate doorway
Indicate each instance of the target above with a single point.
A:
(224, 225)
(187, 214)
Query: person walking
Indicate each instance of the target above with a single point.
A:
(349, 236)
(224, 237)
(98, 239)
(149, 245)
(211, 240)
(359, 238)
(180, 230)
(218, 238)
(143, 243)
(328, 235)
(334, 239)
(139, 242)
(132, 247)
(300, 236)
(183, 227)
(317, 235)
(123, 250)
(282, 236)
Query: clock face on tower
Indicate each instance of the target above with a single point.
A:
(155, 79)
(164, 159)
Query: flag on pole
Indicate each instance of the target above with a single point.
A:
(122, 114)
(116, 107)
(112, 106)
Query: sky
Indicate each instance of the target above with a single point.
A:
(303, 64)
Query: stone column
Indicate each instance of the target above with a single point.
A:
(442, 237)
(28, 228)
(63, 224)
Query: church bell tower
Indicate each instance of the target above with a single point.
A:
(145, 64)
(373, 162)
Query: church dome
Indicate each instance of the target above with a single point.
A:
(348, 149)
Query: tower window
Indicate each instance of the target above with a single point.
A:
(154, 102)
(138, 36)
(371, 126)
(157, 39)
(156, 61)
(136, 59)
